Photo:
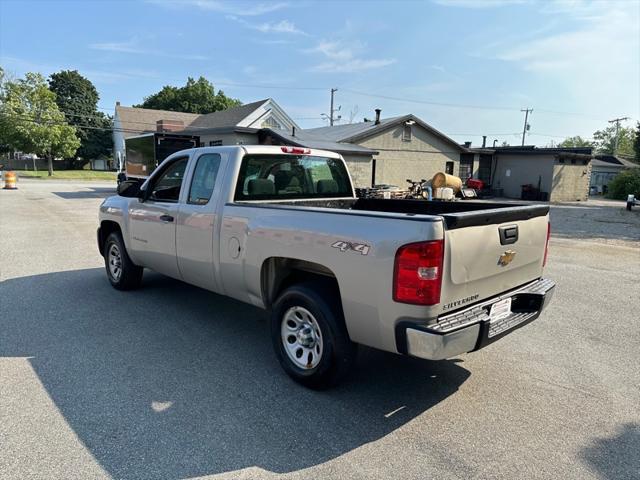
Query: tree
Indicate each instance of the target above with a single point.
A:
(627, 182)
(32, 122)
(574, 142)
(636, 144)
(78, 99)
(605, 141)
(197, 96)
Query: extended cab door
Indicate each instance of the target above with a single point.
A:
(152, 223)
(196, 236)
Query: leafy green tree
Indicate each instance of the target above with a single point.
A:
(605, 141)
(627, 182)
(574, 142)
(31, 121)
(78, 99)
(636, 144)
(197, 96)
(5, 148)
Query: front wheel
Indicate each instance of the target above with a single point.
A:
(310, 337)
(121, 272)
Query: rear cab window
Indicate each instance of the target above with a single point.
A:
(281, 177)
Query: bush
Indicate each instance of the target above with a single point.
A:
(625, 183)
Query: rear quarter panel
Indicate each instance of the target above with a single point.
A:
(252, 234)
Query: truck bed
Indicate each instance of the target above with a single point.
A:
(455, 214)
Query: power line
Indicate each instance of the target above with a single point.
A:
(399, 99)
(428, 102)
(137, 131)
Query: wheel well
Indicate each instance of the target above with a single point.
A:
(107, 227)
(279, 273)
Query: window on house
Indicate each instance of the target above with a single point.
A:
(466, 166)
(271, 123)
(215, 143)
(449, 168)
(406, 133)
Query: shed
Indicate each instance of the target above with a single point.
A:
(561, 174)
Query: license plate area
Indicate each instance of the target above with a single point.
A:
(500, 310)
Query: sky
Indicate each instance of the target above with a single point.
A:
(466, 67)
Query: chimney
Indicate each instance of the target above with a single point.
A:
(117, 104)
(467, 144)
(293, 131)
(377, 116)
(169, 125)
(484, 141)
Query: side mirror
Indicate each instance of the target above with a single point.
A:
(129, 189)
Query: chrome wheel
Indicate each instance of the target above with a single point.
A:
(301, 337)
(114, 261)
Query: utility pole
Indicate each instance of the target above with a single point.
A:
(526, 125)
(617, 122)
(332, 111)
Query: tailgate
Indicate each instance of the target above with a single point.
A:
(488, 252)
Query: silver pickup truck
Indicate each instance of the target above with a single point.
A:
(281, 229)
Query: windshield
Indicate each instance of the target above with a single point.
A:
(279, 177)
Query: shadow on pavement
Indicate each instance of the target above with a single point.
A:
(89, 192)
(616, 457)
(172, 381)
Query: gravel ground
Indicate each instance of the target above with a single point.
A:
(172, 382)
(599, 220)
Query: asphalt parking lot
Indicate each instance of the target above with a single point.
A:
(172, 382)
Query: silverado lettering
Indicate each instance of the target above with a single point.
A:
(458, 303)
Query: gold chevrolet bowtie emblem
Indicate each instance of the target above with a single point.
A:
(506, 257)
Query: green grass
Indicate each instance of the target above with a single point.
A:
(68, 175)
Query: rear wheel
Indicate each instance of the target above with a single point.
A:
(309, 336)
(121, 272)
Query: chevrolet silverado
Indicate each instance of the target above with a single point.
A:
(280, 228)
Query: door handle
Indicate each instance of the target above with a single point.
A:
(166, 218)
(508, 234)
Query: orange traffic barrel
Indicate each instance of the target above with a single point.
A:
(10, 181)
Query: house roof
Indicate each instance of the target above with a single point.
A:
(354, 132)
(228, 117)
(533, 150)
(340, 133)
(305, 139)
(613, 161)
(134, 121)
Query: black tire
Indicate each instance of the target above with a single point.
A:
(338, 352)
(128, 276)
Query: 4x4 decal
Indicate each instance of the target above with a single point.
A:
(343, 246)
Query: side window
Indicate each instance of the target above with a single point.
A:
(204, 178)
(167, 187)
(449, 168)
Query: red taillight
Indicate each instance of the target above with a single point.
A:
(296, 150)
(546, 247)
(418, 273)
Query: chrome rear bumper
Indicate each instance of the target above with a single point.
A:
(471, 329)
